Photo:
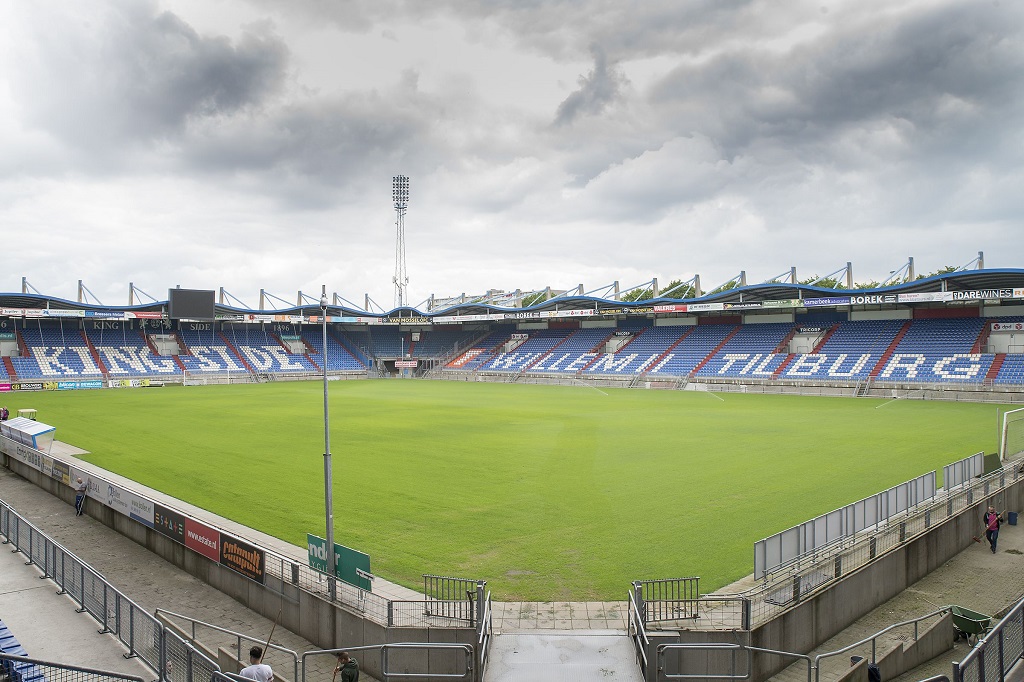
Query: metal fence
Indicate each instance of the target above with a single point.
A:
(23, 669)
(239, 640)
(667, 599)
(449, 597)
(780, 549)
(994, 656)
(140, 632)
(403, 660)
(812, 573)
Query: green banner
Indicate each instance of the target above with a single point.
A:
(349, 565)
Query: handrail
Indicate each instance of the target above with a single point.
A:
(874, 637)
(640, 639)
(467, 650)
(485, 630)
(92, 673)
(239, 637)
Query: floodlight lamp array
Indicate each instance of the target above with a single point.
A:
(400, 190)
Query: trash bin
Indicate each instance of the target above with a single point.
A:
(1011, 517)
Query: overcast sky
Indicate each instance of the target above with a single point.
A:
(251, 144)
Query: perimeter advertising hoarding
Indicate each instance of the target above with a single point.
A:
(202, 539)
(130, 504)
(169, 522)
(243, 558)
(350, 565)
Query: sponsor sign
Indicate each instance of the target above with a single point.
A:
(23, 386)
(48, 312)
(519, 335)
(702, 307)
(202, 539)
(7, 336)
(522, 316)
(109, 314)
(623, 333)
(129, 504)
(785, 303)
(741, 306)
(873, 299)
(72, 385)
(408, 364)
(1018, 293)
(810, 330)
(925, 297)
(144, 316)
(1008, 326)
(346, 561)
(827, 301)
(243, 558)
(980, 294)
(61, 472)
(128, 383)
(677, 308)
(6, 388)
(169, 522)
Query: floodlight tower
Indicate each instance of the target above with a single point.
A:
(400, 194)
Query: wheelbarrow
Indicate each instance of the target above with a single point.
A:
(969, 624)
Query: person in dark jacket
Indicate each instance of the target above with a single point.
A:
(348, 667)
(991, 520)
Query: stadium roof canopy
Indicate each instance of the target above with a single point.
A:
(980, 281)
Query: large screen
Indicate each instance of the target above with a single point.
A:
(190, 304)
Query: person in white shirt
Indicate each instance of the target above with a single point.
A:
(257, 670)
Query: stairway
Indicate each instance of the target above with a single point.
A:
(562, 656)
(890, 350)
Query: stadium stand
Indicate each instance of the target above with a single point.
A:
(575, 353)
(537, 345)
(128, 353)
(208, 354)
(482, 350)
(849, 353)
(55, 353)
(649, 344)
(694, 349)
(938, 351)
(339, 357)
(749, 352)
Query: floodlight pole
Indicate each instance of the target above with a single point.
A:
(328, 485)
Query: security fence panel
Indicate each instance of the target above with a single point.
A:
(810, 536)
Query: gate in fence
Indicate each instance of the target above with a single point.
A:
(453, 598)
(666, 599)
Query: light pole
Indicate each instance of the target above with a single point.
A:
(328, 487)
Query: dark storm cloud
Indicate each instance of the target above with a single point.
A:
(129, 75)
(597, 90)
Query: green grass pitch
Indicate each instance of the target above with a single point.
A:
(546, 492)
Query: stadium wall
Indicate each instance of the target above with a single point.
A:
(818, 618)
(327, 625)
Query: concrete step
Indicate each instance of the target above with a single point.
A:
(562, 656)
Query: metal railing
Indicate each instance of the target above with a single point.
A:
(412, 666)
(873, 639)
(721, 647)
(24, 669)
(638, 633)
(139, 631)
(999, 651)
(159, 649)
(239, 638)
(819, 570)
(484, 632)
(734, 672)
(667, 598)
(182, 662)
